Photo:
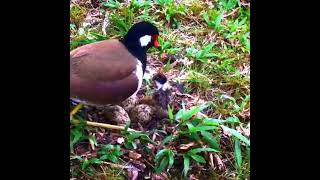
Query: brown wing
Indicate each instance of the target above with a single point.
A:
(102, 73)
(103, 61)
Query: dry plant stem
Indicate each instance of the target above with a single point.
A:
(102, 125)
(76, 109)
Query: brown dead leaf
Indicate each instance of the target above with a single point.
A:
(134, 155)
(133, 174)
(162, 176)
(186, 146)
(192, 177)
(219, 163)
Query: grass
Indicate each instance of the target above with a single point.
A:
(211, 42)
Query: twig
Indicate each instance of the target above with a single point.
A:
(235, 10)
(102, 125)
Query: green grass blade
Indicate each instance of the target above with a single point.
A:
(166, 140)
(186, 164)
(163, 164)
(202, 128)
(236, 134)
(208, 138)
(237, 153)
(198, 150)
(171, 159)
(198, 158)
(160, 154)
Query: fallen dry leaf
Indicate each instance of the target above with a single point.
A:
(219, 163)
(186, 146)
(134, 155)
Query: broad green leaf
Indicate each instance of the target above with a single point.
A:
(170, 112)
(104, 157)
(198, 150)
(134, 135)
(237, 153)
(163, 164)
(171, 158)
(188, 114)
(213, 122)
(190, 125)
(208, 138)
(113, 158)
(248, 153)
(160, 154)
(198, 158)
(92, 141)
(233, 120)
(236, 134)
(85, 164)
(166, 140)
(186, 164)
(179, 114)
(95, 161)
(218, 21)
(202, 128)
(228, 97)
(208, 48)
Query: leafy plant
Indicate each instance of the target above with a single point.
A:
(110, 152)
(194, 155)
(201, 55)
(111, 4)
(132, 136)
(228, 4)
(164, 160)
(213, 18)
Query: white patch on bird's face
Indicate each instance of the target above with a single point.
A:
(164, 86)
(139, 74)
(145, 40)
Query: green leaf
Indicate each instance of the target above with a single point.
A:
(160, 154)
(213, 122)
(134, 135)
(237, 153)
(198, 150)
(202, 128)
(179, 114)
(95, 161)
(198, 158)
(188, 114)
(206, 17)
(113, 158)
(190, 125)
(248, 153)
(163, 164)
(228, 97)
(166, 140)
(218, 21)
(85, 164)
(170, 112)
(171, 159)
(104, 157)
(233, 120)
(92, 141)
(186, 164)
(208, 138)
(236, 134)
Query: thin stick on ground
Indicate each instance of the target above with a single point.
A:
(102, 125)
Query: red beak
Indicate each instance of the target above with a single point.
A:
(155, 41)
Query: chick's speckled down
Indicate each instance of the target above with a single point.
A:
(116, 114)
(141, 113)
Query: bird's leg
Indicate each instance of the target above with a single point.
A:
(75, 110)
